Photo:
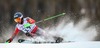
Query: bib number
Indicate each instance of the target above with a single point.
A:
(27, 27)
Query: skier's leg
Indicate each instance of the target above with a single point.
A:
(40, 32)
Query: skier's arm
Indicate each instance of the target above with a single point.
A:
(30, 20)
(13, 35)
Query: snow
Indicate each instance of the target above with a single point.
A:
(60, 45)
(74, 32)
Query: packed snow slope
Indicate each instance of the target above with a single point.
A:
(60, 45)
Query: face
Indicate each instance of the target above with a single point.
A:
(17, 20)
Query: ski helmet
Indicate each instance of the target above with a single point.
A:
(18, 15)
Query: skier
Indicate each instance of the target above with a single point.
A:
(26, 25)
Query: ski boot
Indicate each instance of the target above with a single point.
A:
(58, 39)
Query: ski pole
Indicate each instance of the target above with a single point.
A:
(62, 14)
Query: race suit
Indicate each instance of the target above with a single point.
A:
(28, 26)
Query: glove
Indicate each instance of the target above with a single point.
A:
(9, 40)
(28, 34)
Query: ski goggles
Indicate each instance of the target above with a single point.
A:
(17, 19)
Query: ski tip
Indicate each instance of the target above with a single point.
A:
(21, 40)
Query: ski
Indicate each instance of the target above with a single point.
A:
(33, 42)
(57, 40)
